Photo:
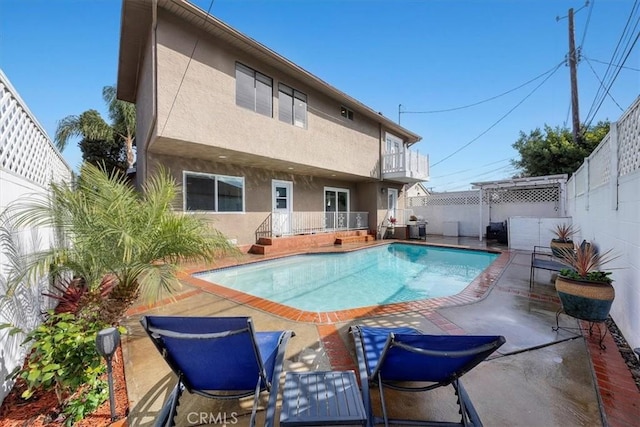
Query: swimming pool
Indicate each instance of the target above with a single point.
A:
(374, 276)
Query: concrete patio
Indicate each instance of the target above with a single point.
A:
(538, 378)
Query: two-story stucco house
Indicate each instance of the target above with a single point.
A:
(261, 145)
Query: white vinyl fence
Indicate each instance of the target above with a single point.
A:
(28, 164)
(461, 210)
(604, 201)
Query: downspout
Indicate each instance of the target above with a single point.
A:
(378, 223)
(380, 150)
(480, 225)
(154, 76)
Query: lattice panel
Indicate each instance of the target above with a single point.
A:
(522, 195)
(600, 164)
(629, 141)
(24, 147)
(443, 199)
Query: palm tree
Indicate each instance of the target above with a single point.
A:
(119, 242)
(123, 117)
(91, 127)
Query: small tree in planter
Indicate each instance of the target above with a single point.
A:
(585, 290)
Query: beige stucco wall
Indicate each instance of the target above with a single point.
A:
(145, 110)
(196, 102)
(308, 193)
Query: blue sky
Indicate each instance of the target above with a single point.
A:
(424, 55)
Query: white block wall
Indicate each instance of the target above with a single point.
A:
(604, 201)
(28, 164)
(527, 232)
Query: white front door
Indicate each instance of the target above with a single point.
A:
(282, 202)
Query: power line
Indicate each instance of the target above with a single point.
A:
(195, 45)
(501, 118)
(600, 95)
(613, 79)
(503, 170)
(602, 84)
(588, 122)
(480, 102)
(608, 63)
(470, 169)
(566, 119)
(586, 26)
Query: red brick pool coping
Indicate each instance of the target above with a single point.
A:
(475, 291)
(619, 397)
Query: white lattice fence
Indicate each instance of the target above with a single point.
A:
(522, 195)
(28, 164)
(498, 204)
(629, 141)
(25, 148)
(605, 206)
(443, 199)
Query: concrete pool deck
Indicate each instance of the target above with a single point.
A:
(538, 378)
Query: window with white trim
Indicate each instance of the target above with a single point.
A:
(346, 113)
(292, 106)
(213, 193)
(254, 90)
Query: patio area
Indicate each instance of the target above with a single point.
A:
(538, 378)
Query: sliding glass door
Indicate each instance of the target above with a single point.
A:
(336, 208)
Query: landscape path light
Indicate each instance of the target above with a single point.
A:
(107, 342)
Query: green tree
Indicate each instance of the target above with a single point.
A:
(120, 242)
(101, 142)
(552, 150)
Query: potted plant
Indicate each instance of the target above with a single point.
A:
(585, 290)
(562, 241)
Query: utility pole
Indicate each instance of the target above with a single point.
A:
(399, 110)
(573, 62)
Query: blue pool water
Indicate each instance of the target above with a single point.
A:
(374, 276)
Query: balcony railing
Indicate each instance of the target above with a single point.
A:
(405, 166)
(290, 224)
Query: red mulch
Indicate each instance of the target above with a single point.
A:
(42, 408)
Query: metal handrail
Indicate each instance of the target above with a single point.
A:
(295, 223)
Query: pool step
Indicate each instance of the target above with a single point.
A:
(277, 245)
(354, 239)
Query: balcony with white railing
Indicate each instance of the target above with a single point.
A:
(405, 166)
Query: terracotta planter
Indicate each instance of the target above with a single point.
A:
(559, 246)
(585, 300)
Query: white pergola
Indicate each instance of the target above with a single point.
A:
(559, 181)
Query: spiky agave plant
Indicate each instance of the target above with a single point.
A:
(585, 263)
(564, 232)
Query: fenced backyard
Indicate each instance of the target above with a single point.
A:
(28, 164)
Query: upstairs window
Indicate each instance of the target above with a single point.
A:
(213, 193)
(346, 113)
(292, 106)
(254, 90)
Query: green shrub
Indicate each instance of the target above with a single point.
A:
(64, 356)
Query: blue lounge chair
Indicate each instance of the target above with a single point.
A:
(219, 358)
(405, 359)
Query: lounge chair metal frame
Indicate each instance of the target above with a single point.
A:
(469, 415)
(166, 416)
